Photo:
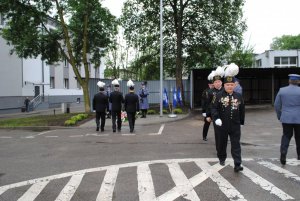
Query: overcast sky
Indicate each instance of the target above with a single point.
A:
(265, 19)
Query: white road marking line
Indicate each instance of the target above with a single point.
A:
(108, 185)
(33, 191)
(183, 185)
(76, 136)
(5, 137)
(68, 191)
(161, 129)
(280, 170)
(96, 135)
(264, 184)
(229, 190)
(145, 183)
(42, 133)
(50, 136)
(128, 134)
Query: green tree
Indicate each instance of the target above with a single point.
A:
(193, 29)
(81, 31)
(242, 56)
(286, 42)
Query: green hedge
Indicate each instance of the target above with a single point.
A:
(74, 119)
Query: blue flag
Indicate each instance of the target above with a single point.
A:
(179, 97)
(174, 98)
(165, 98)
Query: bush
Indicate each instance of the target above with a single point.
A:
(151, 112)
(75, 118)
(177, 111)
(165, 111)
(70, 123)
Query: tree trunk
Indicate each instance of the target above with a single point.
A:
(86, 97)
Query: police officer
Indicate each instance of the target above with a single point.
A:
(116, 99)
(204, 104)
(100, 103)
(228, 113)
(131, 105)
(143, 94)
(287, 107)
(217, 81)
(108, 113)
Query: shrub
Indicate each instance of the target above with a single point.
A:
(165, 111)
(75, 118)
(70, 123)
(151, 112)
(177, 111)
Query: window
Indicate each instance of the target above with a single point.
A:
(66, 64)
(258, 63)
(78, 85)
(285, 62)
(52, 83)
(66, 83)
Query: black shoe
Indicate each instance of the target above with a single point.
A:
(205, 139)
(238, 168)
(97, 129)
(131, 131)
(283, 159)
(222, 163)
(114, 131)
(102, 129)
(298, 157)
(119, 129)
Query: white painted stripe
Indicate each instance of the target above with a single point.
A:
(129, 134)
(229, 190)
(84, 171)
(161, 129)
(264, 184)
(49, 136)
(96, 135)
(195, 181)
(152, 134)
(33, 191)
(183, 185)
(108, 185)
(68, 191)
(280, 170)
(42, 133)
(5, 137)
(76, 136)
(293, 162)
(145, 183)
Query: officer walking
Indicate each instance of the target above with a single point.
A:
(217, 81)
(131, 105)
(100, 103)
(143, 94)
(287, 107)
(228, 113)
(204, 105)
(116, 99)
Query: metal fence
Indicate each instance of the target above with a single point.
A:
(152, 85)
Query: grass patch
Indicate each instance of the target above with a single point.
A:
(41, 120)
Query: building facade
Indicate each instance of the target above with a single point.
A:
(21, 78)
(277, 59)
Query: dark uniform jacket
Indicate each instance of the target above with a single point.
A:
(131, 102)
(204, 100)
(212, 93)
(229, 108)
(100, 102)
(116, 99)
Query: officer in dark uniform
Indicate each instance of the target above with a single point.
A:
(205, 104)
(131, 105)
(100, 103)
(212, 93)
(116, 99)
(228, 113)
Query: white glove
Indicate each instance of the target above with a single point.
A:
(218, 122)
(94, 110)
(204, 114)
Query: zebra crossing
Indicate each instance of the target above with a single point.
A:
(106, 182)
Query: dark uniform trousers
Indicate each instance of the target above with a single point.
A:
(131, 120)
(234, 132)
(288, 130)
(205, 128)
(116, 116)
(100, 115)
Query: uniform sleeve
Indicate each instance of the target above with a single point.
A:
(215, 107)
(137, 103)
(209, 103)
(94, 103)
(242, 110)
(277, 105)
(204, 100)
(125, 103)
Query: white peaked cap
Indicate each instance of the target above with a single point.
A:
(115, 82)
(231, 70)
(219, 71)
(100, 84)
(130, 83)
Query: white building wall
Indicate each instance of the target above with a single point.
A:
(267, 58)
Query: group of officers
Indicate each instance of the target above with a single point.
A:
(224, 106)
(114, 101)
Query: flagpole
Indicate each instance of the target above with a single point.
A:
(161, 58)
